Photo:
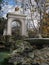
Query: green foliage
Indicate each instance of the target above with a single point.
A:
(31, 33)
(1, 1)
(2, 25)
(45, 26)
(3, 57)
(19, 41)
(19, 55)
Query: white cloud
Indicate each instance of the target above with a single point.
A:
(6, 9)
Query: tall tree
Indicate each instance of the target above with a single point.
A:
(42, 9)
(0, 3)
(2, 25)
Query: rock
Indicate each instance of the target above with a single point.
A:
(43, 64)
(47, 54)
(27, 55)
(31, 55)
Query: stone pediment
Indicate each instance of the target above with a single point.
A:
(15, 15)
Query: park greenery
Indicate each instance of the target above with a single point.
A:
(15, 50)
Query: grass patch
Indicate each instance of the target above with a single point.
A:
(3, 55)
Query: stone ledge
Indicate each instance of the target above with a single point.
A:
(38, 40)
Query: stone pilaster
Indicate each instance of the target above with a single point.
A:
(9, 26)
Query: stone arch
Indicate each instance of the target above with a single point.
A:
(16, 26)
(19, 17)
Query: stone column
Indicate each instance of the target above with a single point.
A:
(24, 32)
(9, 26)
(5, 32)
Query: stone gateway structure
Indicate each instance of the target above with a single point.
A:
(18, 17)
